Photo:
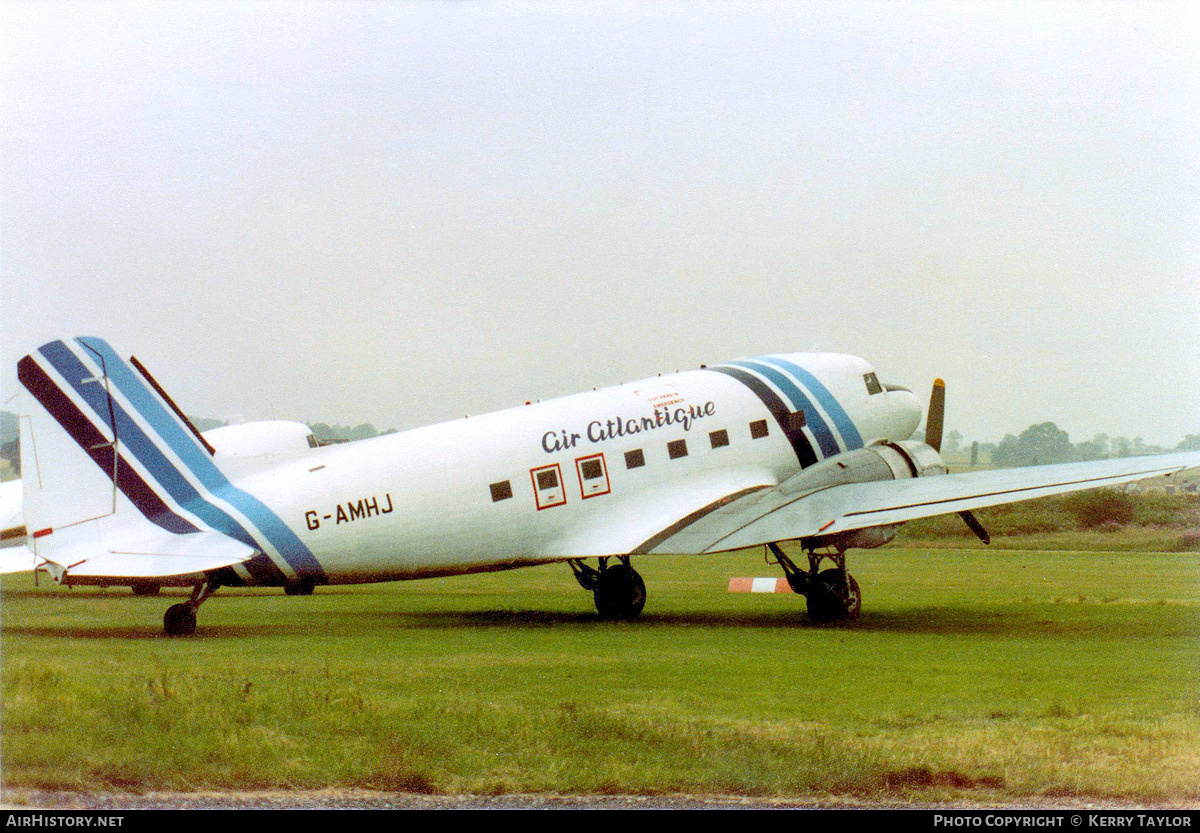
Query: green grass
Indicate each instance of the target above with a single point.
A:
(1000, 673)
(1099, 520)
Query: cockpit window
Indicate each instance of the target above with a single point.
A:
(873, 386)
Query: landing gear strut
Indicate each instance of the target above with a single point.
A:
(831, 594)
(180, 619)
(618, 590)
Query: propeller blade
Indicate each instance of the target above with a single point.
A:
(933, 417)
(976, 526)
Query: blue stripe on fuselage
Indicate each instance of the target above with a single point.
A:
(805, 455)
(812, 417)
(826, 399)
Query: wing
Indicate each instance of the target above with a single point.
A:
(781, 514)
(637, 523)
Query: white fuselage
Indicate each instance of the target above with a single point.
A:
(560, 478)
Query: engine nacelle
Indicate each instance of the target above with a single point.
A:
(883, 460)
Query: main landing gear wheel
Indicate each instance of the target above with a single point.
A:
(834, 596)
(303, 587)
(620, 593)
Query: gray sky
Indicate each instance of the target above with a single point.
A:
(404, 212)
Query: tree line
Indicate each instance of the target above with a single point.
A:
(1046, 443)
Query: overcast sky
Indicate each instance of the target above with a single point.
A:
(404, 212)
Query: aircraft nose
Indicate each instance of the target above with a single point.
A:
(906, 407)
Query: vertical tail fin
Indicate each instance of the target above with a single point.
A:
(102, 442)
(80, 443)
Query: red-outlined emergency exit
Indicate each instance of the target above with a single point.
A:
(593, 476)
(548, 486)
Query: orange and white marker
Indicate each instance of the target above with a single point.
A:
(759, 585)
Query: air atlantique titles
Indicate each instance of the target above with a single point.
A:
(600, 430)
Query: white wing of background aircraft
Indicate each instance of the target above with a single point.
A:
(15, 556)
(120, 489)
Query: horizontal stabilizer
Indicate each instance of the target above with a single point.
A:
(127, 565)
(158, 556)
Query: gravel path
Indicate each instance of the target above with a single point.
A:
(367, 800)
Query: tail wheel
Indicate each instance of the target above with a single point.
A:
(180, 620)
(620, 593)
(834, 596)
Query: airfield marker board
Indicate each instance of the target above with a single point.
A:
(759, 585)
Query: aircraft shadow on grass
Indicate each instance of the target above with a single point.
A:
(128, 632)
(915, 622)
(1127, 621)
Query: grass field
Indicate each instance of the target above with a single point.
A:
(1000, 673)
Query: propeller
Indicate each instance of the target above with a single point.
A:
(934, 420)
(934, 417)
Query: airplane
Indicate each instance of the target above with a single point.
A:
(121, 489)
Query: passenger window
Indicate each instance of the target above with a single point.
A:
(758, 429)
(593, 476)
(677, 449)
(634, 459)
(547, 486)
(719, 438)
(795, 420)
(501, 491)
